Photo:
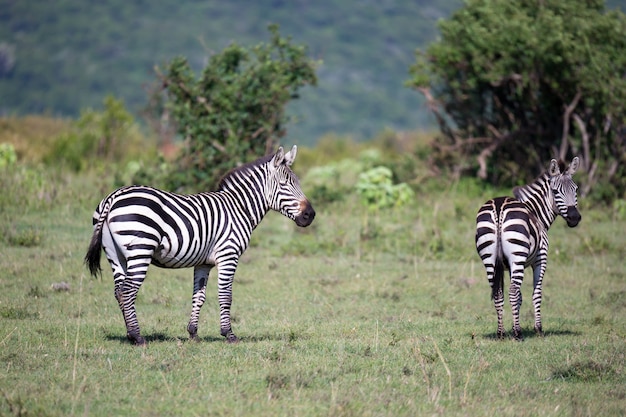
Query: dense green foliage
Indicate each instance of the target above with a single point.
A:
(235, 111)
(377, 190)
(64, 56)
(514, 84)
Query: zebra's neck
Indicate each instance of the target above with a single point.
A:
(248, 192)
(539, 199)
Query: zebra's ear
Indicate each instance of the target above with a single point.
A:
(291, 156)
(279, 157)
(554, 168)
(573, 166)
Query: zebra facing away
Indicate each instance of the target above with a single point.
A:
(139, 225)
(512, 233)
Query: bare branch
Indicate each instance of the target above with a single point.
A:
(585, 139)
(566, 116)
(517, 78)
(434, 107)
(486, 153)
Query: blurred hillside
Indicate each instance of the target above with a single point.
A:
(63, 56)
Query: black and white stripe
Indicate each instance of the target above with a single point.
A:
(512, 233)
(139, 225)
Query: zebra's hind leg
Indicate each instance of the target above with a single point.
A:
(495, 276)
(200, 277)
(515, 299)
(538, 271)
(119, 266)
(498, 302)
(136, 273)
(128, 296)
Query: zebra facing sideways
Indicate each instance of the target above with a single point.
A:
(138, 226)
(512, 233)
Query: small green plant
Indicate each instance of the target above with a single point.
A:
(377, 191)
(17, 313)
(8, 156)
(28, 237)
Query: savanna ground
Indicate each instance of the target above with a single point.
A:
(362, 314)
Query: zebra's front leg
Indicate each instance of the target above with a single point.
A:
(200, 277)
(515, 299)
(539, 270)
(226, 274)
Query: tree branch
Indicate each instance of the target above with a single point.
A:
(486, 153)
(585, 139)
(434, 107)
(566, 115)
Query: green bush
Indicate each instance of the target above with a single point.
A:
(7, 155)
(377, 191)
(235, 111)
(515, 84)
(109, 135)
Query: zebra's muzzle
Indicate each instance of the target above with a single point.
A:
(307, 214)
(573, 216)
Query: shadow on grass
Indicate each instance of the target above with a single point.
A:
(164, 338)
(150, 338)
(530, 334)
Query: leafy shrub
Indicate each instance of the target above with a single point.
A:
(108, 135)
(27, 237)
(500, 84)
(154, 173)
(235, 111)
(377, 191)
(7, 155)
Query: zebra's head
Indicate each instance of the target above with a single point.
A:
(283, 189)
(564, 190)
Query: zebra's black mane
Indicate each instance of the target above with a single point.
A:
(562, 165)
(243, 169)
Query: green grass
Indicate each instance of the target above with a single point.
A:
(359, 315)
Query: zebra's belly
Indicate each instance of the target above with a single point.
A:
(167, 255)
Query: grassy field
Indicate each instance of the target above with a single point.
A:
(362, 314)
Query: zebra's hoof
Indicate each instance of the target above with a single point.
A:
(501, 335)
(517, 336)
(231, 338)
(539, 331)
(139, 341)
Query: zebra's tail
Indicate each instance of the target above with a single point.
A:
(92, 258)
(94, 252)
(498, 278)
